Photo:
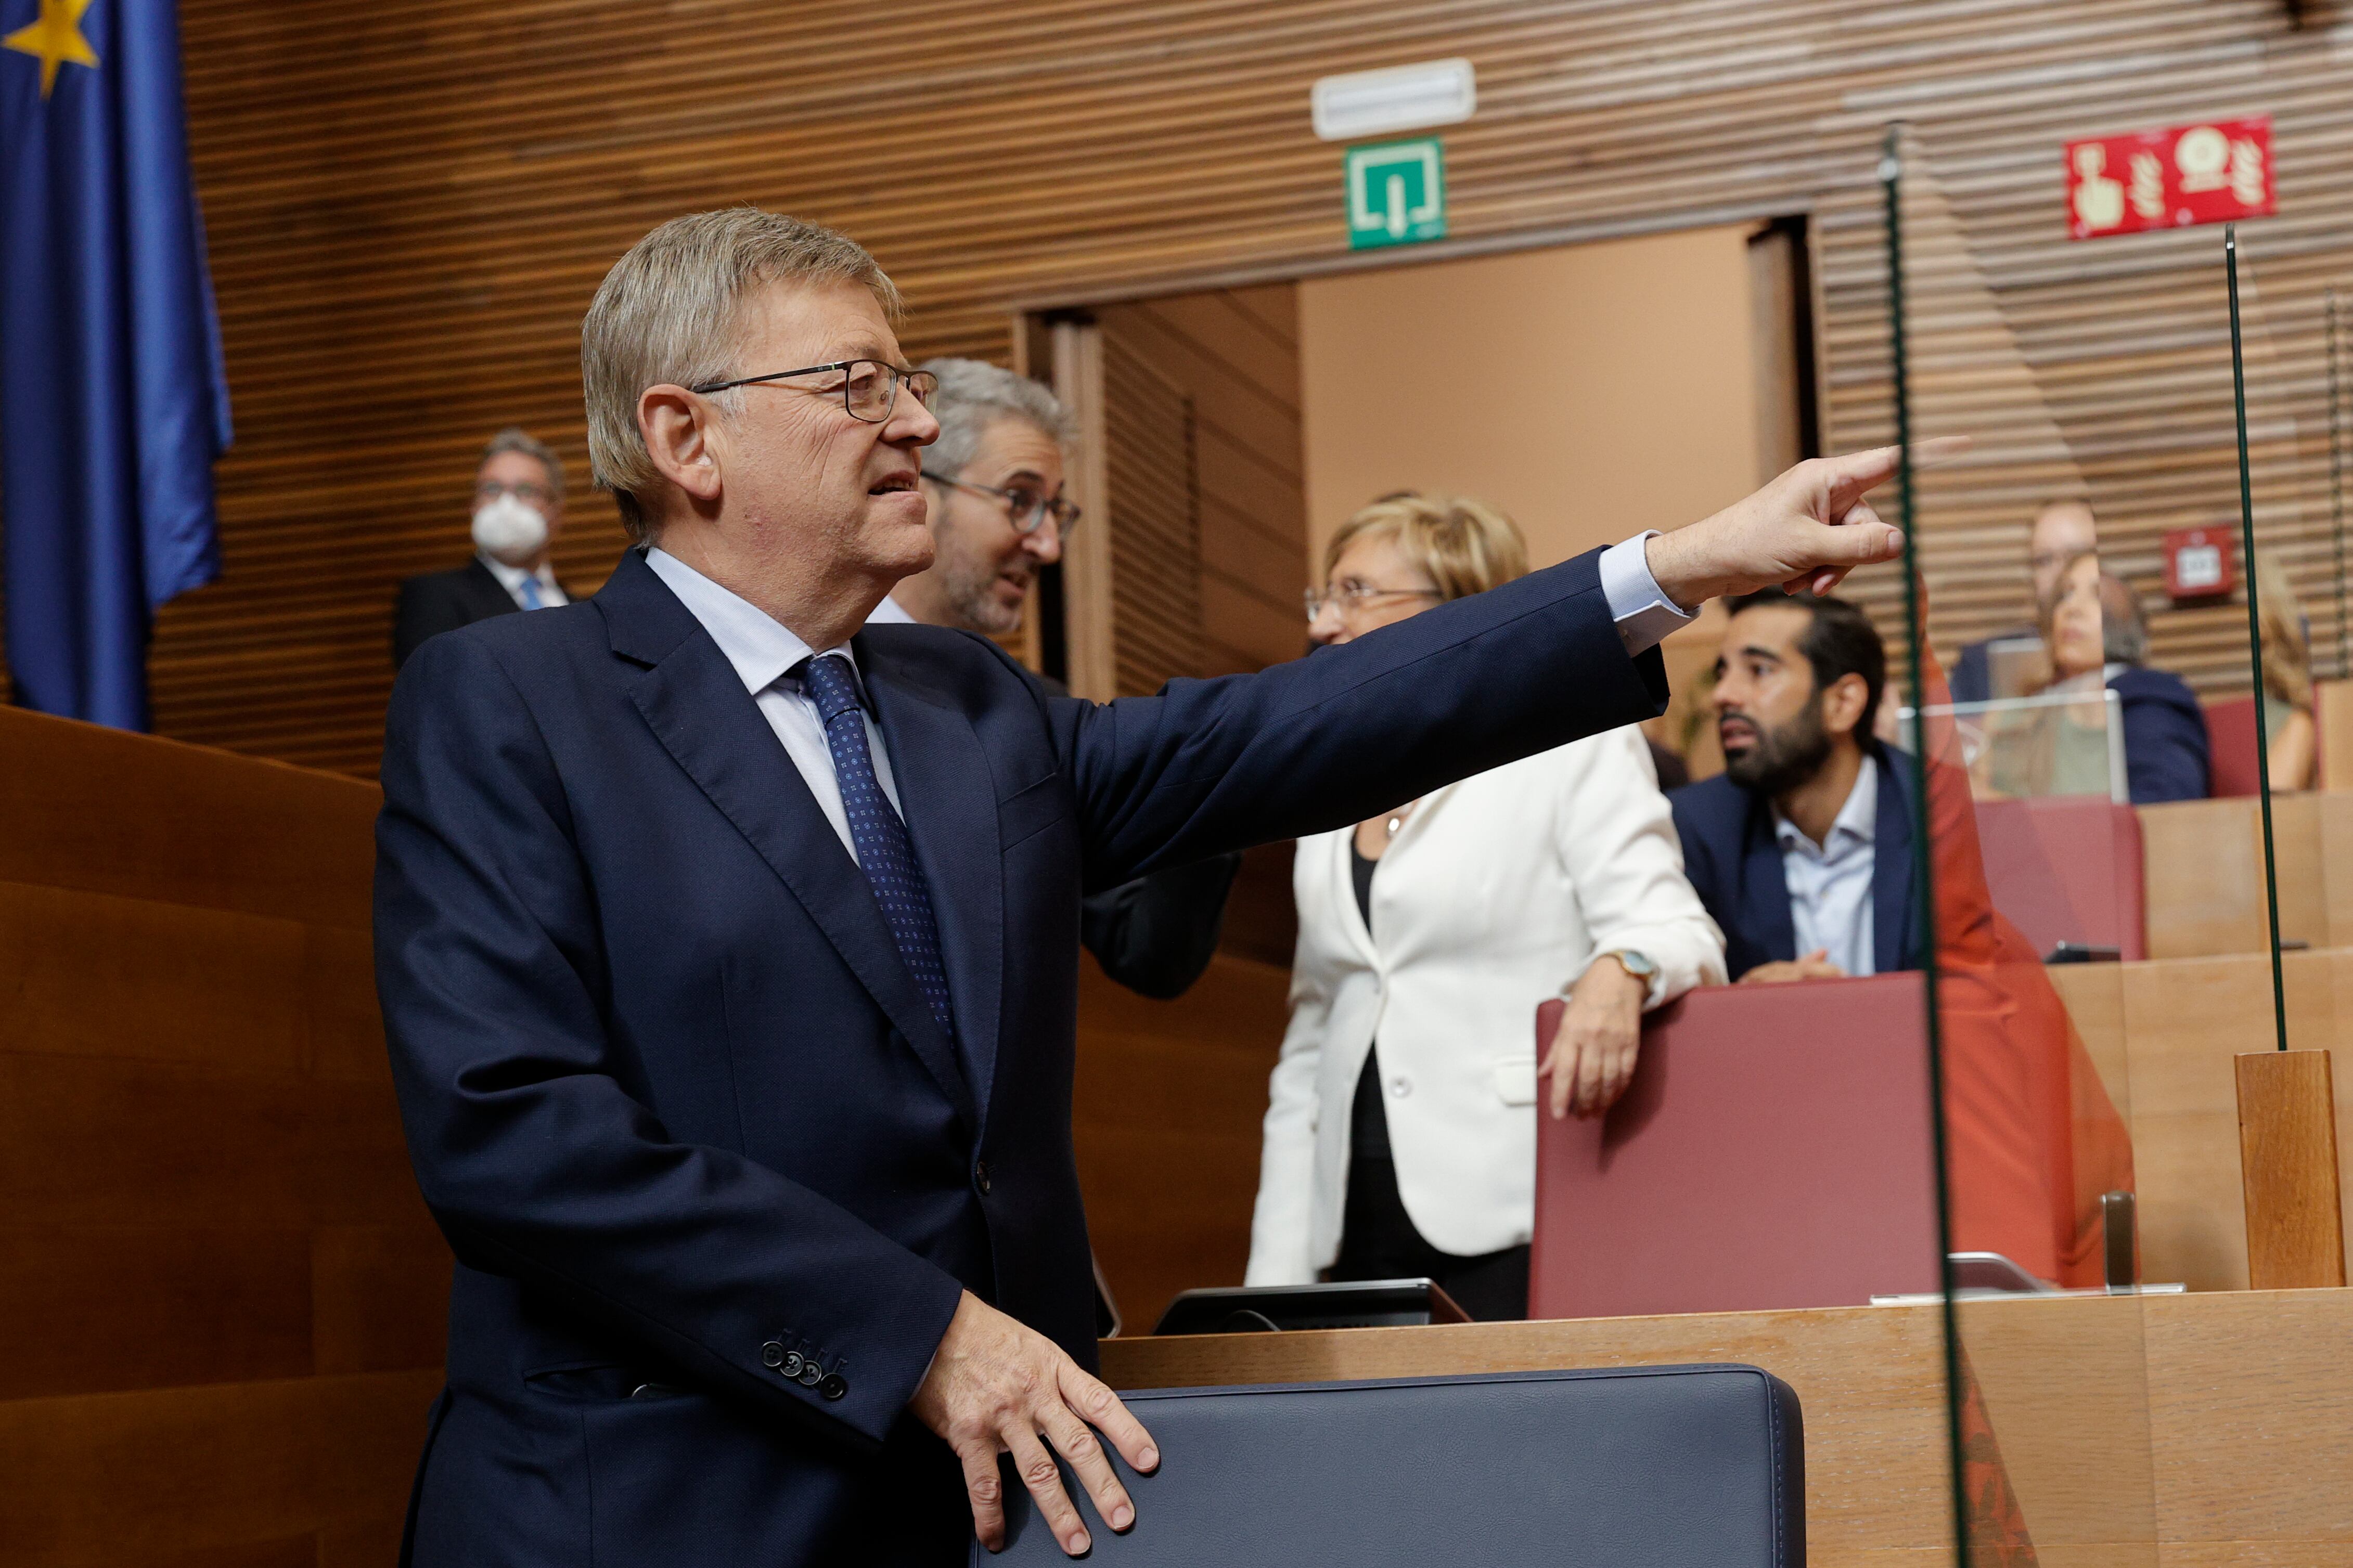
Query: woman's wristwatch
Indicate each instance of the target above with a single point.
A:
(1639, 964)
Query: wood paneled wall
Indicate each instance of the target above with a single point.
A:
(1165, 1117)
(410, 202)
(223, 1299)
(1233, 354)
(1223, 364)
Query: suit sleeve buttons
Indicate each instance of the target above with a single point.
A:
(834, 1387)
(772, 1354)
(793, 1362)
(810, 1376)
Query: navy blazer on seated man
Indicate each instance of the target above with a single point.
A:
(2168, 754)
(1733, 856)
(715, 1175)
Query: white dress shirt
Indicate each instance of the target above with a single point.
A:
(889, 614)
(1830, 905)
(762, 650)
(510, 578)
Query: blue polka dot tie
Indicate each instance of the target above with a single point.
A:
(884, 853)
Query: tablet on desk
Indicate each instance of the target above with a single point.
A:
(1340, 1304)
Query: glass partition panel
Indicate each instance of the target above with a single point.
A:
(2066, 741)
(2092, 695)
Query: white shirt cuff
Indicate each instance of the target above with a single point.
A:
(1643, 612)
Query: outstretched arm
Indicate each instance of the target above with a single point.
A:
(1300, 747)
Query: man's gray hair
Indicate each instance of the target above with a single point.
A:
(515, 438)
(974, 395)
(666, 314)
(2123, 624)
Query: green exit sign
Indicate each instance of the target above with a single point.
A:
(1396, 192)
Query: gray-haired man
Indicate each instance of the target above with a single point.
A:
(518, 512)
(993, 488)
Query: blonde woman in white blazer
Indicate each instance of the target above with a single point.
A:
(1400, 1131)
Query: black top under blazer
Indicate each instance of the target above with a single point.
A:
(714, 1177)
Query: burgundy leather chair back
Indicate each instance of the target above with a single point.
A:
(1774, 1151)
(2230, 741)
(2067, 868)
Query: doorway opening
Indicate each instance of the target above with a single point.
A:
(1590, 391)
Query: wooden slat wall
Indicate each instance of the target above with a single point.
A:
(223, 1299)
(1152, 513)
(1232, 356)
(410, 202)
(1235, 352)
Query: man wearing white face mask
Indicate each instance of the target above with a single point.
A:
(518, 511)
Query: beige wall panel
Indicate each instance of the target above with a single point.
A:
(1590, 392)
(2202, 861)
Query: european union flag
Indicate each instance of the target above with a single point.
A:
(113, 401)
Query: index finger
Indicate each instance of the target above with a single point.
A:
(1855, 473)
(1102, 1409)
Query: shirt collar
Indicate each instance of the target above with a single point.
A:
(890, 612)
(1856, 823)
(761, 648)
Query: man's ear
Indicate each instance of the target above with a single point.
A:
(1842, 704)
(677, 428)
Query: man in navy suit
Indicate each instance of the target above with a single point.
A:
(728, 950)
(1801, 849)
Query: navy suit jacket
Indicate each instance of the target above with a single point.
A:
(714, 1177)
(2168, 754)
(1734, 862)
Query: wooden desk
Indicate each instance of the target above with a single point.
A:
(221, 1297)
(2162, 1034)
(2206, 1428)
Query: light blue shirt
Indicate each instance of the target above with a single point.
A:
(761, 650)
(1829, 884)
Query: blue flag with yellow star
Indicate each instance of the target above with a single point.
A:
(113, 401)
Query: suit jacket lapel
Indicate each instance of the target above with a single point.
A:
(1764, 884)
(1894, 942)
(698, 709)
(950, 807)
(485, 595)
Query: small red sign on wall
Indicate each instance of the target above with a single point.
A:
(2214, 173)
(2200, 563)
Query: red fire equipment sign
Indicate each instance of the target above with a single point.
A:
(2214, 173)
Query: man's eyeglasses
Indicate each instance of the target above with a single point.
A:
(524, 490)
(1025, 507)
(1350, 596)
(869, 388)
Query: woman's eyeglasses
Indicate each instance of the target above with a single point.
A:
(1351, 595)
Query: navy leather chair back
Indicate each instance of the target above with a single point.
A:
(1672, 1467)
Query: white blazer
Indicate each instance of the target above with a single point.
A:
(1496, 895)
